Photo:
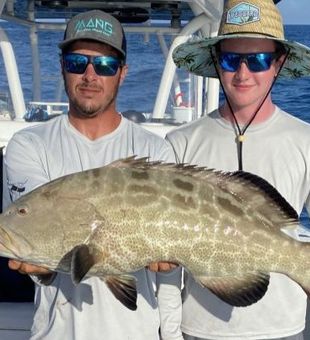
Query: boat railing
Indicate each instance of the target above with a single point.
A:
(14, 83)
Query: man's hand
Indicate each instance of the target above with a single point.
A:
(161, 266)
(26, 268)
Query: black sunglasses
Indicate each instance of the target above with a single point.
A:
(103, 65)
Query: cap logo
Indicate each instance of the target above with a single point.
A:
(243, 13)
(94, 25)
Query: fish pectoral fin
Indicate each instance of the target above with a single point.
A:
(124, 289)
(81, 262)
(238, 291)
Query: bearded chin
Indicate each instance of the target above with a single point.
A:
(84, 110)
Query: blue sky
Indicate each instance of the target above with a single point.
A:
(295, 11)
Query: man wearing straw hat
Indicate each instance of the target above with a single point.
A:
(248, 132)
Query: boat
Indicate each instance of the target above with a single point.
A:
(179, 97)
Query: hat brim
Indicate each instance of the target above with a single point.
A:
(195, 56)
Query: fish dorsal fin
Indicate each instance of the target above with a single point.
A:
(238, 291)
(273, 194)
(124, 289)
(133, 162)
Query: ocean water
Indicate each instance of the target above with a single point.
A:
(294, 95)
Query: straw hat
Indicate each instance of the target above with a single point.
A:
(244, 19)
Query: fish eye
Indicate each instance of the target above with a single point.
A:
(22, 210)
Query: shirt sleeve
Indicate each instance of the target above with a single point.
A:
(23, 163)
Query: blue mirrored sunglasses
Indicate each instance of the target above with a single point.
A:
(103, 65)
(256, 62)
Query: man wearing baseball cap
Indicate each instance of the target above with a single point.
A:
(92, 134)
(248, 132)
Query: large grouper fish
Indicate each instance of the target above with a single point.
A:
(224, 228)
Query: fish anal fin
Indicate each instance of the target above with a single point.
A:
(124, 289)
(239, 291)
(81, 262)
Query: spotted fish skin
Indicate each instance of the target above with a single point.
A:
(225, 228)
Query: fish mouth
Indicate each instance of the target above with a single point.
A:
(13, 245)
